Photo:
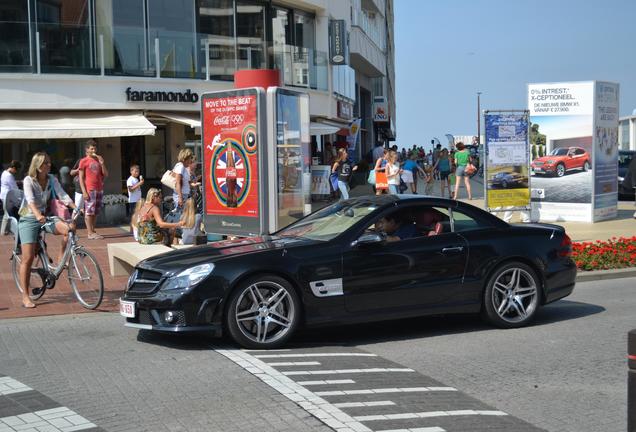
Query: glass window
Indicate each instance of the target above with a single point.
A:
(66, 42)
(250, 32)
(172, 22)
(14, 35)
(304, 33)
(463, 222)
(121, 23)
(216, 24)
(412, 222)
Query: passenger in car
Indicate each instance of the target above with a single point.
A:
(397, 226)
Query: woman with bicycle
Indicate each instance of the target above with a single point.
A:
(38, 186)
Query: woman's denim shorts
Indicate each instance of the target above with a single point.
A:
(459, 172)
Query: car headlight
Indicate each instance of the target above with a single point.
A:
(188, 277)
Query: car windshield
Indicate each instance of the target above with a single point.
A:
(329, 222)
(559, 152)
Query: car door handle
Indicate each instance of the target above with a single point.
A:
(452, 249)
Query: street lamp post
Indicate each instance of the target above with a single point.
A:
(478, 119)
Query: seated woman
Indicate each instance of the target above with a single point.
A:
(151, 228)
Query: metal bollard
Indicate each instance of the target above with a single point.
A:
(631, 381)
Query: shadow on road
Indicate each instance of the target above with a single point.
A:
(376, 332)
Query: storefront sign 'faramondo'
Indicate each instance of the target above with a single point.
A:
(160, 96)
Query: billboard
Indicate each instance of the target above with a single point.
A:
(506, 175)
(232, 161)
(573, 136)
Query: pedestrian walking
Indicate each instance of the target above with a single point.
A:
(443, 167)
(462, 157)
(344, 169)
(393, 172)
(182, 176)
(39, 188)
(92, 171)
(381, 181)
(8, 183)
(410, 171)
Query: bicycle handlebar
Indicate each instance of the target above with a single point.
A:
(76, 213)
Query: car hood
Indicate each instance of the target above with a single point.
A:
(547, 158)
(192, 256)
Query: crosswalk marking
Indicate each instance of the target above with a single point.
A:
(262, 356)
(363, 404)
(424, 429)
(428, 414)
(347, 371)
(310, 363)
(325, 382)
(384, 390)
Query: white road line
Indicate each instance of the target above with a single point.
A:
(428, 414)
(383, 390)
(346, 371)
(325, 382)
(262, 356)
(424, 429)
(59, 419)
(294, 364)
(332, 416)
(363, 404)
(10, 386)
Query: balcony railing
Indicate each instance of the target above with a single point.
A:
(372, 27)
(129, 51)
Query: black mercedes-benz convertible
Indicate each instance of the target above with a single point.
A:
(364, 259)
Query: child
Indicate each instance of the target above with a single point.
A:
(134, 183)
(428, 178)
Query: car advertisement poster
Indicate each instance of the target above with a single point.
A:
(562, 152)
(231, 161)
(506, 174)
(606, 151)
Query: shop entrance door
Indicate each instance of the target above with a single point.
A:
(149, 152)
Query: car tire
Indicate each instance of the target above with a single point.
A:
(263, 312)
(560, 170)
(512, 296)
(586, 166)
(504, 184)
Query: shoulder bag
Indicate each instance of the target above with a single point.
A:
(169, 178)
(56, 206)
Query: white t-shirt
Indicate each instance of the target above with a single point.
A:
(179, 168)
(133, 196)
(393, 169)
(7, 182)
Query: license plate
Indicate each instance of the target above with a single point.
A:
(537, 170)
(127, 308)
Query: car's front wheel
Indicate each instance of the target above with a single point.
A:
(512, 295)
(586, 166)
(560, 170)
(263, 312)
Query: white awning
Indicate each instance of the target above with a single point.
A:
(316, 128)
(192, 119)
(85, 124)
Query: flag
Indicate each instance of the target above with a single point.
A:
(354, 131)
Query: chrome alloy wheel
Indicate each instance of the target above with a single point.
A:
(514, 295)
(264, 312)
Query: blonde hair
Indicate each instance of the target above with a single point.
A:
(392, 154)
(189, 213)
(185, 154)
(151, 194)
(133, 219)
(36, 164)
(341, 154)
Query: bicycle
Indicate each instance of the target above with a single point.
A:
(82, 268)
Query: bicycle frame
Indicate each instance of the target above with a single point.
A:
(57, 270)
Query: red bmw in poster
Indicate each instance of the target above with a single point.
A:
(230, 155)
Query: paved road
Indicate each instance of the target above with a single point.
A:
(566, 373)
(573, 187)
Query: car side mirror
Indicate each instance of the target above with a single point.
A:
(369, 239)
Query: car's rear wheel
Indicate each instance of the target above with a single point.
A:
(504, 184)
(512, 295)
(586, 166)
(263, 312)
(560, 170)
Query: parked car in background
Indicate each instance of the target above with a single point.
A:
(508, 179)
(625, 192)
(561, 160)
(364, 259)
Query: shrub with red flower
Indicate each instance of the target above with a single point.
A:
(603, 255)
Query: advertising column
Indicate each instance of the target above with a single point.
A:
(606, 151)
(562, 150)
(507, 181)
(232, 155)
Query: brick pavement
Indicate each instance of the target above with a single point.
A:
(61, 300)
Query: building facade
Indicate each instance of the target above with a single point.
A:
(627, 132)
(130, 72)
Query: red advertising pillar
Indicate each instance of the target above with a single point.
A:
(256, 78)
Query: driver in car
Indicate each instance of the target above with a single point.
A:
(396, 227)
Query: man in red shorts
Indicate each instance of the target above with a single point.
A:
(92, 171)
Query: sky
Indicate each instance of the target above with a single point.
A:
(447, 51)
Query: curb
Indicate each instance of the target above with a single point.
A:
(587, 276)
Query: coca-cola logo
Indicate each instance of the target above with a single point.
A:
(230, 173)
(230, 119)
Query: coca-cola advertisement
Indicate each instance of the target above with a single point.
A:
(231, 158)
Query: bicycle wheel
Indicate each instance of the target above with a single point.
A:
(85, 277)
(37, 281)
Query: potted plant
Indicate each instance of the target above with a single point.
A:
(114, 210)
